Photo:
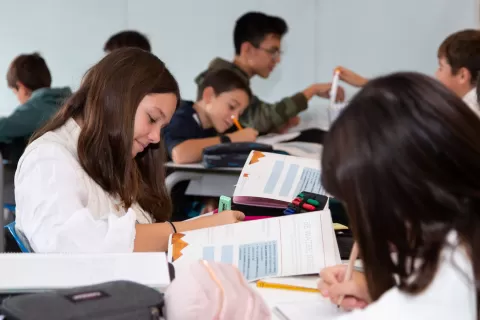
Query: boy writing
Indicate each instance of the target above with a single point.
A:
(196, 125)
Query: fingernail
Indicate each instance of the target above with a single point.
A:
(324, 293)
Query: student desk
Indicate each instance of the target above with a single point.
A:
(273, 297)
(203, 181)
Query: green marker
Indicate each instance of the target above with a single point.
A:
(313, 202)
(225, 203)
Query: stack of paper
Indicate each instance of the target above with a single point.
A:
(30, 272)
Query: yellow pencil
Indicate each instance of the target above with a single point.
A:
(268, 285)
(237, 124)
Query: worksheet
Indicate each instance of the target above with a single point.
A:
(283, 246)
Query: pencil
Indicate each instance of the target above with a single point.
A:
(351, 265)
(237, 124)
(268, 285)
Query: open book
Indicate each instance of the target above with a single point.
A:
(273, 180)
(284, 246)
(31, 272)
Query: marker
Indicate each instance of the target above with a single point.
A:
(308, 207)
(225, 203)
(237, 124)
(313, 202)
(333, 92)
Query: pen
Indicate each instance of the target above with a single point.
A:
(268, 285)
(333, 92)
(237, 124)
(351, 264)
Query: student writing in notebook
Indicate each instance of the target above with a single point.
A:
(458, 66)
(92, 179)
(257, 38)
(402, 158)
(197, 125)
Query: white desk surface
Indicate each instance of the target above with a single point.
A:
(273, 297)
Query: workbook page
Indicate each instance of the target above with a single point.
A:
(283, 246)
(271, 180)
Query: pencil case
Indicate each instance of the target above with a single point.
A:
(232, 155)
(117, 300)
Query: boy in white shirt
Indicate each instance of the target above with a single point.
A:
(458, 66)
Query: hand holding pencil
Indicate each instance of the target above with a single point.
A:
(243, 135)
(350, 294)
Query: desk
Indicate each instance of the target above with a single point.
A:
(274, 297)
(203, 181)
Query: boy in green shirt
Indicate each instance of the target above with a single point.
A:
(257, 39)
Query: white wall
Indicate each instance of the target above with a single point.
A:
(370, 36)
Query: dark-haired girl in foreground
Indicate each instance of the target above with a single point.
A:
(404, 158)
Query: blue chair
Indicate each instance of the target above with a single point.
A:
(20, 239)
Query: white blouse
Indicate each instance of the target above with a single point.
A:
(471, 100)
(451, 295)
(59, 208)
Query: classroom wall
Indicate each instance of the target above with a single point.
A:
(370, 36)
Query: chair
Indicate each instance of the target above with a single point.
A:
(20, 239)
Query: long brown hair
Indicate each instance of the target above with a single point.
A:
(106, 102)
(404, 157)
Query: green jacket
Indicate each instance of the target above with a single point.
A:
(31, 115)
(263, 116)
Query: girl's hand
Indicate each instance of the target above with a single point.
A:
(355, 291)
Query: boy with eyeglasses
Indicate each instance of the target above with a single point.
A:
(257, 39)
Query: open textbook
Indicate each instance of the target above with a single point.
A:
(283, 246)
(31, 272)
(273, 180)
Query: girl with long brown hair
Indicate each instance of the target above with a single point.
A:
(92, 179)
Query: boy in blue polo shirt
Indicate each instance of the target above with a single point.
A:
(201, 124)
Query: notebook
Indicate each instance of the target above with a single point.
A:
(283, 246)
(321, 309)
(273, 138)
(273, 180)
(32, 272)
(282, 142)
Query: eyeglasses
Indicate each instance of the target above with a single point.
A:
(274, 52)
